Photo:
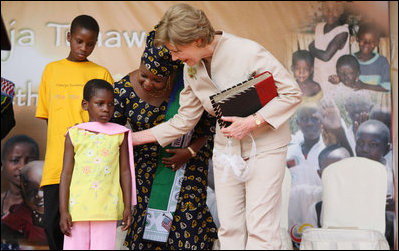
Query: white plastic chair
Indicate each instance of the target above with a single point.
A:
(353, 210)
(342, 239)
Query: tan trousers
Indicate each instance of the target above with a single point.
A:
(249, 212)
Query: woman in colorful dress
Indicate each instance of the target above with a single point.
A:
(172, 214)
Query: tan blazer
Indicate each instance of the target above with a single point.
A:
(234, 60)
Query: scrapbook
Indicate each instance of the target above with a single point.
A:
(245, 98)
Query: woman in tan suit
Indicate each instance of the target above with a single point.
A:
(248, 207)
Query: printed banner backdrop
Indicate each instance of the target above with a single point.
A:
(37, 32)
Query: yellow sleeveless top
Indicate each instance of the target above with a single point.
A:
(95, 191)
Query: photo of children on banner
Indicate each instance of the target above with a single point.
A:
(372, 142)
(320, 125)
(26, 218)
(358, 109)
(302, 161)
(330, 43)
(17, 152)
(303, 68)
(374, 67)
(356, 86)
(348, 73)
(383, 114)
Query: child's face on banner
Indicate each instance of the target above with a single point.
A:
(367, 42)
(347, 75)
(302, 71)
(370, 144)
(30, 184)
(16, 158)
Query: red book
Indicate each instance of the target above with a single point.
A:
(245, 98)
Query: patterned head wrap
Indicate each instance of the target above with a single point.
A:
(158, 60)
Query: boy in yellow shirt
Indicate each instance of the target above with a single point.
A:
(60, 97)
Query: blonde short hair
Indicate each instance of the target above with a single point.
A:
(182, 24)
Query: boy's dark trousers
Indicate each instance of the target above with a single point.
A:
(54, 235)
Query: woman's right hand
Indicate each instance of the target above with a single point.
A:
(66, 223)
(143, 137)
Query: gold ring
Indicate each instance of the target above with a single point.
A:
(173, 165)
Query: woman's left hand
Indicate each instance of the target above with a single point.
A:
(180, 156)
(240, 127)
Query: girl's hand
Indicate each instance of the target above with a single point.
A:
(333, 79)
(330, 114)
(311, 46)
(127, 218)
(328, 137)
(239, 128)
(180, 156)
(362, 116)
(66, 224)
